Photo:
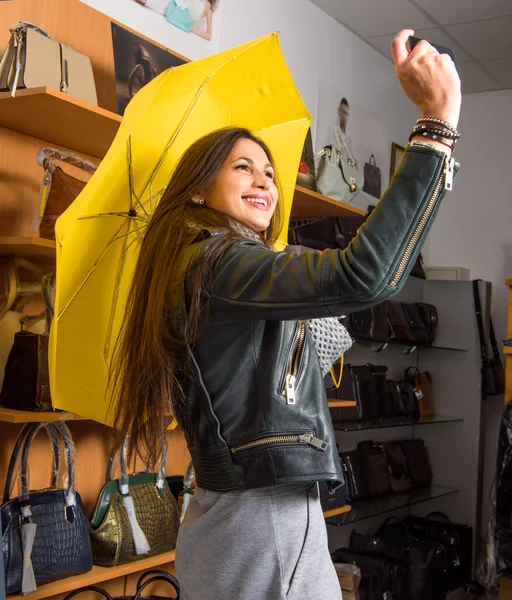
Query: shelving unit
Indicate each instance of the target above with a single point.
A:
(9, 415)
(341, 403)
(307, 203)
(373, 507)
(58, 118)
(31, 248)
(392, 422)
(97, 575)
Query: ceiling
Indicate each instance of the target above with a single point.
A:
(478, 31)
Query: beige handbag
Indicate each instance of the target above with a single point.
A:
(337, 175)
(33, 59)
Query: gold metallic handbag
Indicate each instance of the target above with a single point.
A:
(134, 517)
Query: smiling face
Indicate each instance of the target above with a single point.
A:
(244, 188)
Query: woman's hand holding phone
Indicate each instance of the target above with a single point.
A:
(428, 78)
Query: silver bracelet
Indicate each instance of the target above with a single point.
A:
(425, 145)
(438, 121)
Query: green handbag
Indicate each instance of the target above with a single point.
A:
(135, 516)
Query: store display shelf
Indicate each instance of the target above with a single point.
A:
(393, 422)
(333, 512)
(9, 415)
(97, 575)
(307, 203)
(507, 349)
(58, 118)
(341, 403)
(364, 509)
(32, 248)
(407, 348)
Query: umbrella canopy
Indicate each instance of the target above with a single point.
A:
(98, 237)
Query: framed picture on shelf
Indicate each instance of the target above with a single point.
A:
(397, 153)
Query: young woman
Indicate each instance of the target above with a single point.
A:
(214, 334)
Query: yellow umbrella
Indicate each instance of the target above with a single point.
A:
(98, 237)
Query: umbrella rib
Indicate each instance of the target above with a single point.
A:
(130, 178)
(120, 271)
(125, 215)
(96, 263)
(173, 138)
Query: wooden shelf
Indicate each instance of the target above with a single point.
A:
(341, 403)
(507, 350)
(307, 203)
(31, 248)
(508, 282)
(337, 511)
(9, 415)
(96, 575)
(58, 118)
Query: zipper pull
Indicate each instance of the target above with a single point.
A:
(290, 389)
(311, 440)
(448, 174)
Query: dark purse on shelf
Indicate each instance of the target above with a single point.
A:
(430, 317)
(154, 576)
(372, 178)
(134, 517)
(355, 481)
(418, 461)
(375, 467)
(397, 466)
(426, 561)
(405, 323)
(421, 384)
(369, 324)
(409, 400)
(493, 376)
(366, 391)
(45, 533)
(342, 392)
(323, 234)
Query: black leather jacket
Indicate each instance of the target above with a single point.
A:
(242, 430)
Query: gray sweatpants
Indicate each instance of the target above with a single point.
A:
(262, 544)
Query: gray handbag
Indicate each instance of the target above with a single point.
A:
(337, 175)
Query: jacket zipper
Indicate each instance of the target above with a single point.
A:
(299, 438)
(293, 362)
(446, 182)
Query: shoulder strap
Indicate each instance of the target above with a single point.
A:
(478, 312)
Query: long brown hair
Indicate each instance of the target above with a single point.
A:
(151, 359)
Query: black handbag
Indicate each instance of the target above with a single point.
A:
(372, 178)
(154, 576)
(355, 481)
(418, 461)
(322, 234)
(344, 391)
(369, 324)
(365, 386)
(45, 533)
(375, 467)
(425, 561)
(381, 576)
(493, 376)
(457, 540)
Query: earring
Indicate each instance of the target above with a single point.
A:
(201, 202)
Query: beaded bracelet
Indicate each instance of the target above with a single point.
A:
(437, 122)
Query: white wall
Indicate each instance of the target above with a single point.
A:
(316, 47)
(474, 226)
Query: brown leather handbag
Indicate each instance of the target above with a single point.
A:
(375, 466)
(59, 188)
(421, 383)
(418, 462)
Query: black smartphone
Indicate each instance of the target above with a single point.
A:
(441, 49)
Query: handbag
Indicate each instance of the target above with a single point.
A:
(356, 484)
(456, 538)
(397, 466)
(342, 389)
(337, 175)
(425, 561)
(405, 323)
(372, 178)
(34, 59)
(179, 17)
(409, 400)
(154, 576)
(421, 383)
(45, 533)
(493, 376)
(430, 317)
(369, 324)
(331, 498)
(322, 234)
(134, 517)
(418, 461)
(59, 189)
(26, 384)
(366, 391)
(381, 576)
(375, 467)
